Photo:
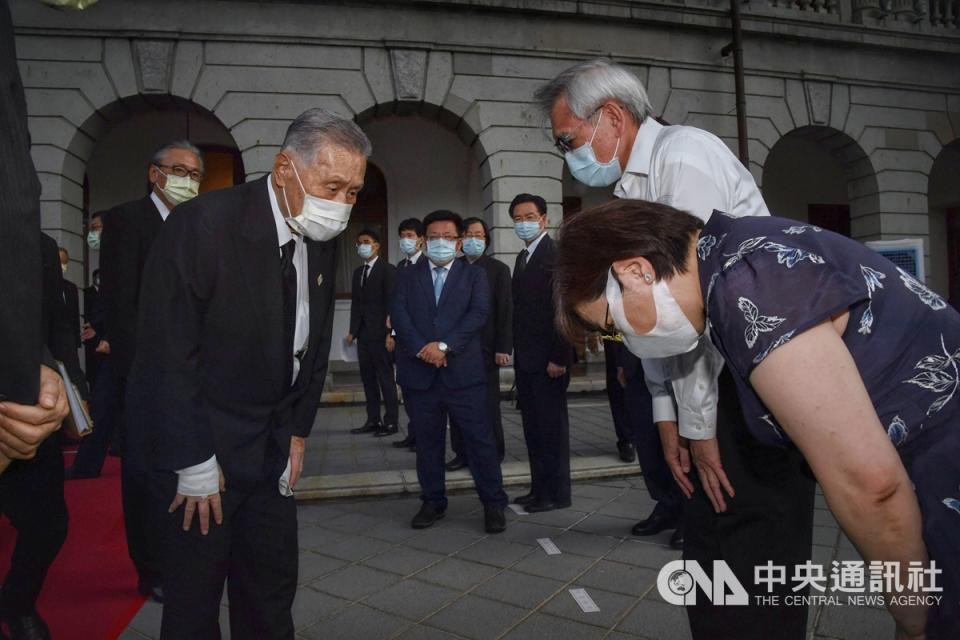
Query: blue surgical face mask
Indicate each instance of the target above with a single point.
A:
(408, 246)
(527, 230)
(474, 247)
(441, 251)
(365, 251)
(585, 167)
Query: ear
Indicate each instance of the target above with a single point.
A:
(153, 174)
(634, 273)
(281, 166)
(616, 114)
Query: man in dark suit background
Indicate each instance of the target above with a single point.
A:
(247, 277)
(91, 333)
(174, 173)
(541, 361)
(497, 334)
(71, 298)
(439, 312)
(371, 293)
(618, 403)
(410, 232)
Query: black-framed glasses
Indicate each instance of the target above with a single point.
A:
(609, 330)
(183, 172)
(564, 143)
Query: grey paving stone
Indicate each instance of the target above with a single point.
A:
(521, 589)
(612, 606)
(130, 634)
(629, 509)
(560, 518)
(355, 548)
(620, 578)
(494, 551)
(354, 582)
(855, 623)
(403, 560)
(352, 523)
(440, 539)
(310, 606)
(825, 535)
(422, 632)
(823, 518)
(393, 530)
(657, 621)
(319, 512)
(457, 574)
(412, 599)
(147, 620)
(564, 567)
(313, 566)
(643, 554)
(605, 525)
(315, 538)
(585, 544)
(527, 533)
(540, 626)
(477, 618)
(355, 623)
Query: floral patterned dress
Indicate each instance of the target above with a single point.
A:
(766, 280)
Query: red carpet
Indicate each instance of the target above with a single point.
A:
(91, 590)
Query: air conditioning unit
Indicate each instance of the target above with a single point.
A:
(906, 254)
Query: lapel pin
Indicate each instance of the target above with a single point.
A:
(320, 280)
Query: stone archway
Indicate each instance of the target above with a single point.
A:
(943, 200)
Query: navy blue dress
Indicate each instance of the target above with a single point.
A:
(766, 280)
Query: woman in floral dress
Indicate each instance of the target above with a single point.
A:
(834, 349)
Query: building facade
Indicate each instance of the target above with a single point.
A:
(853, 106)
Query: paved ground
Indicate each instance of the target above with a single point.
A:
(332, 449)
(365, 575)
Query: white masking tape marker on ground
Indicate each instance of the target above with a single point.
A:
(548, 546)
(587, 605)
(517, 509)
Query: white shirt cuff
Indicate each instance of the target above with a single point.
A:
(199, 480)
(694, 426)
(664, 409)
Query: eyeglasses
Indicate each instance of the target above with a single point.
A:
(448, 238)
(564, 142)
(182, 172)
(609, 330)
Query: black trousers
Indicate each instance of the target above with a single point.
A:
(546, 430)
(770, 519)
(493, 414)
(615, 394)
(376, 372)
(31, 496)
(105, 403)
(254, 551)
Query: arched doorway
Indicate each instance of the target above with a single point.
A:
(809, 175)
(369, 212)
(578, 196)
(943, 200)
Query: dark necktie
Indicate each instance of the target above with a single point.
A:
(521, 263)
(363, 276)
(289, 279)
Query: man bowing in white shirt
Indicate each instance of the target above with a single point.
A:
(757, 505)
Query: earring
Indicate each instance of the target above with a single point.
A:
(647, 278)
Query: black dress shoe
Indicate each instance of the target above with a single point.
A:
(456, 463)
(654, 524)
(406, 442)
(150, 589)
(386, 430)
(527, 498)
(428, 514)
(370, 427)
(627, 454)
(676, 540)
(28, 627)
(539, 506)
(493, 519)
(79, 474)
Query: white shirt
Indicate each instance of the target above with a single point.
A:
(370, 263)
(533, 245)
(161, 207)
(433, 272)
(692, 170)
(413, 259)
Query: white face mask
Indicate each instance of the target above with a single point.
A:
(179, 189)
(319, 219)
(671, 335)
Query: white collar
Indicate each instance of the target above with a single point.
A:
(536, 243)
(284, 234)
(413, 259)
(447, 266)
(161, 207)
(642, 151)
(372, 261)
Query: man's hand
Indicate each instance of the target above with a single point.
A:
(23, 428)
(677, 455)
(87, 332)
(297, 446)
(621, 377)
(502, 359)
(103, 347)
(350, 339)
(391, 344)
(555, 370)
(706, 456)
(202, 506)
(431, 353)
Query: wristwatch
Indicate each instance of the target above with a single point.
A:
(444, 349)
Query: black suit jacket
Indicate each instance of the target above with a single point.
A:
(536, 340)
(57, 324)
(129, 231)
(71, 298)
(498, 332)
(21, 341)
(209, 373)
(370, 305)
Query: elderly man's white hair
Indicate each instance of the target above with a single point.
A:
(315, 128)
(588, 85)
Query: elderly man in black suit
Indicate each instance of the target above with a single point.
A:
(174, 173)
(237, 311)
(371, 294)
(541, 360)
(497, 334)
